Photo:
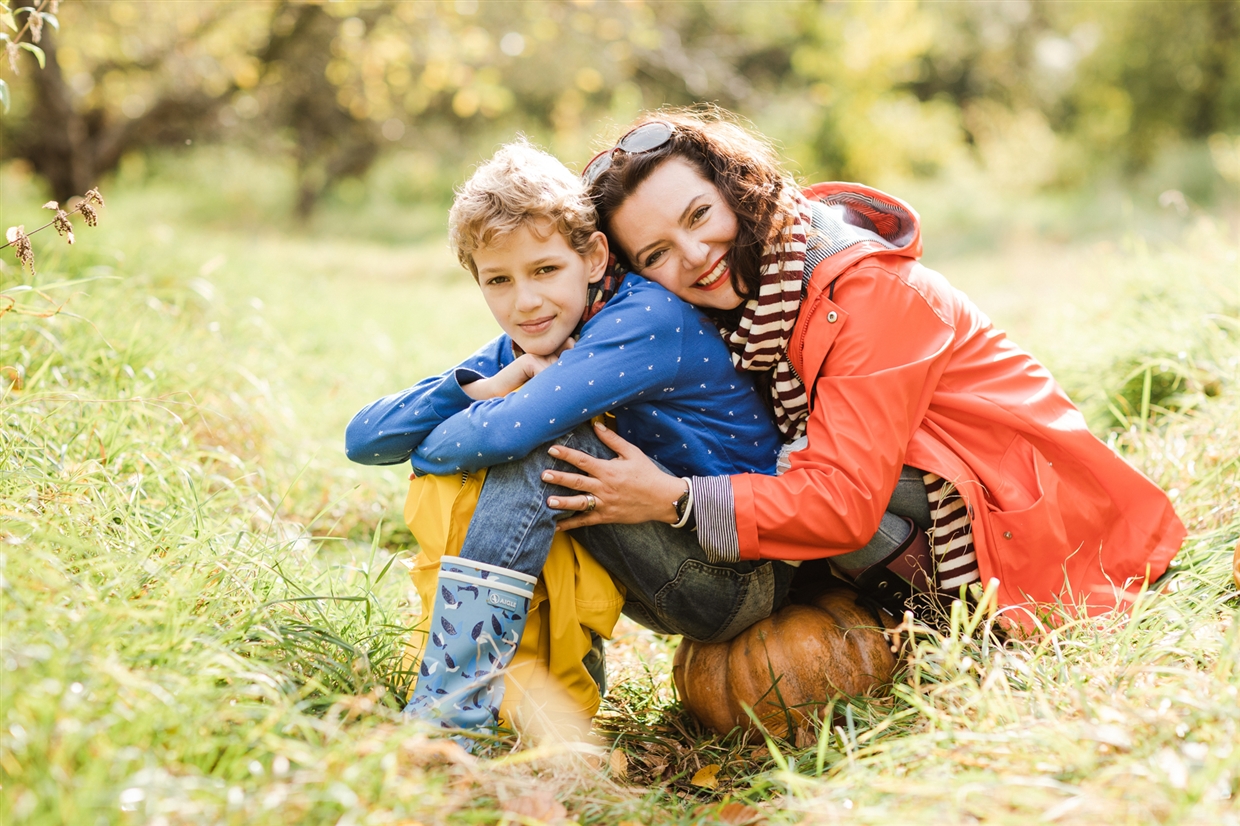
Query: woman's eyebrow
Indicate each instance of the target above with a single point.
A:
(683, 217)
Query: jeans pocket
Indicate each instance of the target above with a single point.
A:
(644, 616)
(712, 603)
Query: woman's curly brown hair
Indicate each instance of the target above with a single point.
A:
(742, 165)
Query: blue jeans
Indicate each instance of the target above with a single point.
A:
(670, 586)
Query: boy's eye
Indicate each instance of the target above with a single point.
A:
(543, 270)
(497, 280)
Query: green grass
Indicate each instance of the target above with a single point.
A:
(204, 603)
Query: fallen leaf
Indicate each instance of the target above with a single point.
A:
(425, 750)
(707, 776)
(537, 805)
(619, 762)
(740, 814)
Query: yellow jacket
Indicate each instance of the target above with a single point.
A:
(546, 682)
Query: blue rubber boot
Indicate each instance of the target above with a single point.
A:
(476, 626)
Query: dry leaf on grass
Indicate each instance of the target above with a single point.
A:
(619, 762)
(425, 750)
(539, 806)
(740, 814)
(707, 777)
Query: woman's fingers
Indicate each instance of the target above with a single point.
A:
(590, 464)
(573, 481)
(580, 520)
(615, 441)
(573, 503)
(625, 490)
(587, 509)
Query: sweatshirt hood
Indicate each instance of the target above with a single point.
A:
(853, 221)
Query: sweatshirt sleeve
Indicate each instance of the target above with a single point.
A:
(386, 432)
(628, 352)
(868, 399)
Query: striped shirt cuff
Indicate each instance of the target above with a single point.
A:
(715, 506)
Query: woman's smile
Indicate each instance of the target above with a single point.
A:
(716, 276)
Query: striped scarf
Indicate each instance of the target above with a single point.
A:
(951, 536)
(602, 291)
(760, 340)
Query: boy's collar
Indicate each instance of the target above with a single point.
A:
(602, 291)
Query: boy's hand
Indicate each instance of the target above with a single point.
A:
(524, 368)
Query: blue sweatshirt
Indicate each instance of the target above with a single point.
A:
(649, 358)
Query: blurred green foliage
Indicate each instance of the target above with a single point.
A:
(1037, 94)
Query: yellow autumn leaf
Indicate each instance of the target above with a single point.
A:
(619, 762)
(707, 776)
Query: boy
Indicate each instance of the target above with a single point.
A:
(579, 341)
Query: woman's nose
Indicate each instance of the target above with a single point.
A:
(694, 254)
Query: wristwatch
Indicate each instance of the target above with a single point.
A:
(684, 509)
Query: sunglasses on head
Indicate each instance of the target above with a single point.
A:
(644, 138)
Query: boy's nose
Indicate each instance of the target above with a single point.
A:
(528, 299)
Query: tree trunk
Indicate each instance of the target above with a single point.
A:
(72, 148)
(1224, 17)
(56, 137)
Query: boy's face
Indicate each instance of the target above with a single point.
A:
(535, 284)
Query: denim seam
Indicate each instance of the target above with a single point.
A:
(762, 575)
(527, 525)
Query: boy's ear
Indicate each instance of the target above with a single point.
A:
(598, 256)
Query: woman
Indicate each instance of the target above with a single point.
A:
(885, 380)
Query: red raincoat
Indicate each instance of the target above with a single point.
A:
(902, 368)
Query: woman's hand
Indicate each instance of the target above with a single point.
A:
(626, 490)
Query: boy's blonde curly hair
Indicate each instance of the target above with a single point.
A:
(519, 185)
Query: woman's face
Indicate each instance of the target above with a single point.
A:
(677, 230)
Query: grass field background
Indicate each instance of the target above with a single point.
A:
(204, 602)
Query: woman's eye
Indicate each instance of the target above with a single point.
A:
(699, 214)
(652, 259)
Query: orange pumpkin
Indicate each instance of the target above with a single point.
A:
(814, 652)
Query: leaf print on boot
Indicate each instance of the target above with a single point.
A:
(460, 680)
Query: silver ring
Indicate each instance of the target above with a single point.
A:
(591, 503)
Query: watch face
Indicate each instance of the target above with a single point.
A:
(682, 503)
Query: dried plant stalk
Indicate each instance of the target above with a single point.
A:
(19, 239)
